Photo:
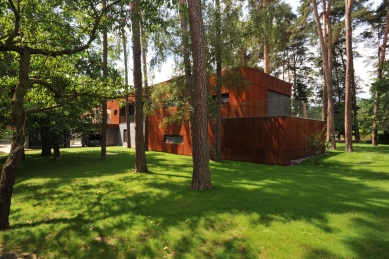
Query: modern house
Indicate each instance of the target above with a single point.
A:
(257, 123)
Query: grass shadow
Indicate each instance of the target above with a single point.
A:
(96, 210)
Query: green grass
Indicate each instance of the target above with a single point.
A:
(82, 207)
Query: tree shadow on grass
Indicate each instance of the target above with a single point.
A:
(134, 215)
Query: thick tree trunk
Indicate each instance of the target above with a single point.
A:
(219, 83)
(140, 156)
(103, 154)
(349, 68)
(24, 154)
(57, 152)
(201, 179)
(11, 165)
(46, 137)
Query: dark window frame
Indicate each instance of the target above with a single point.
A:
(173, 139)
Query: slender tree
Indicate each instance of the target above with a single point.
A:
(103, 153)
(219, 83)
(326, 53)
(140, 156)
(145, 81)
(349, 79)
(128, 122)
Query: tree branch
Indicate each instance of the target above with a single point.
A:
(92, 37)
(48, 85)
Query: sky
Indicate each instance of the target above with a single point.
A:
(364, 71)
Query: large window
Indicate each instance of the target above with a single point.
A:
(174, 139)
(278, 104)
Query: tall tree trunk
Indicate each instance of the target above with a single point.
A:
(266, 58)
(326, 53)
(46, 136)
(140, 156)
(187, 65)
(381, 59)
(145, 84)
(11, 165)
(349, 68)
(201, 179)
(103, 154)
(57, 152)
(324, 101)
(128, 124)
(219, 83)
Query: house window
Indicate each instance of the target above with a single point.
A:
(224, 98)
(278, 104)
(174, 139)
(130, 109)
(115, 112)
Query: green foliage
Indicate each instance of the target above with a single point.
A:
(381, 85)
(81, 207)
(169, 97)
(316, 142)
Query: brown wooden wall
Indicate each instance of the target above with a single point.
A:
(114, 105)
(251, 101)
(267, 140)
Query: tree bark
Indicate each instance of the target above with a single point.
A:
(349, 68)
(103, 154)
(145, 84)
(45, 136)
(140, 156)
(266, 58)
(201, 179)
(11, 165)
(326, 53)
(128, 123)
(219, 83)
(57, 152)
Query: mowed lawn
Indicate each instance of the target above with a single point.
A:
(82, 207)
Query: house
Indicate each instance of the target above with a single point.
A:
(117, 127)
(257, 123)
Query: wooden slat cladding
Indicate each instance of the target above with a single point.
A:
(271, 140)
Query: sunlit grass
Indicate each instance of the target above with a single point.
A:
(82, 207)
